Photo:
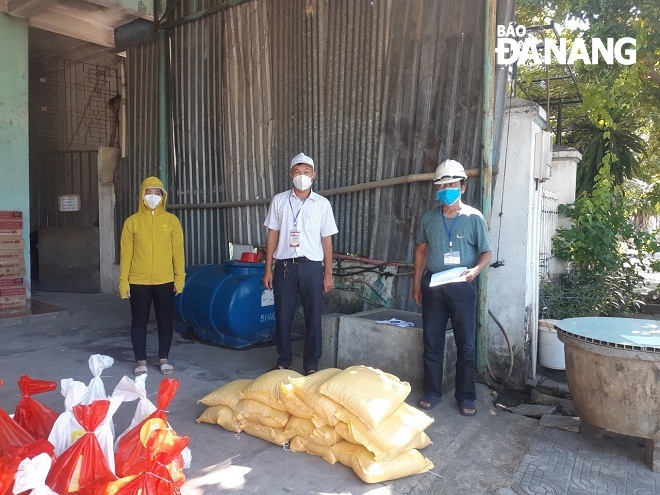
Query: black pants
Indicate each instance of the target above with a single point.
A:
(141, 298)
(289, 279)
(458, 302)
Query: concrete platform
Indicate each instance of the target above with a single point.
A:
(397, 350)
(491, 453)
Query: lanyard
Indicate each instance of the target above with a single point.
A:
(295, 215)
(450, 230)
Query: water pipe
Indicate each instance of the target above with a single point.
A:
(377, 184)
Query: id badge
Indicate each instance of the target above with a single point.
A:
(453, 258)
(294, 239)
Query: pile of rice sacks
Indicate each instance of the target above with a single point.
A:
(356, 416)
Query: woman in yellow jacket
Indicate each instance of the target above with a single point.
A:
(151, 269)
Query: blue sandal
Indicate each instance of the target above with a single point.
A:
(429, 401)
(466, 404)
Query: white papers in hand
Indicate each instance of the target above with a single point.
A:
(448, 276)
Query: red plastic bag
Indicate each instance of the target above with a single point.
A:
(9, 463)
(34, 417)
(162, 448)
(8, 468)
(82, 466)
(130, 457)
(11, 433)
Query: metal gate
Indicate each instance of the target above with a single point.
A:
(73, 112)
(549, 214)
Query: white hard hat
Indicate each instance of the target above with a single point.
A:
(302, 158)
(449, 171)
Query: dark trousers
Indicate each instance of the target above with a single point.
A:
(141, 298)
(289, 280)
(458, 302)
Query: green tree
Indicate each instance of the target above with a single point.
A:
(620, 111)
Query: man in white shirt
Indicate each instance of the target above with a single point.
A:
(300, 224)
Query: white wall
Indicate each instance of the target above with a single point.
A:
(564, 176)
(513, 287)
(562, 183)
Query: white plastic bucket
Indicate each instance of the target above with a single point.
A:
(551, 349)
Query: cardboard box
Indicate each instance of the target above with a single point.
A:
(17, 261)
(12, 302)
(11, 215)
(12, 291)
(11, 282)
(11, 257)
(11, 234)
(11, 224)
(12, 271)
(11, 244)
(11, 219)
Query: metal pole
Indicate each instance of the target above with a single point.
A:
(559, 126)
(488, 109)
(162, 108)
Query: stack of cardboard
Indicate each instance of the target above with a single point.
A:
(12, 261)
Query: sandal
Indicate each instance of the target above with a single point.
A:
(141, 369)
(166, 368)
(429, 401)
(467, 407)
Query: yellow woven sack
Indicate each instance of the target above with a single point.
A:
(293, 404)
(399, 432)
(220, 415)
(227, 421)
(325, 436)
(266, 388)
(226, 395)
(300, 426)
(344, 432)
(370, 394)
(300, 444)
(307, 390)
(210, 415)
(272, 435)
(363, 464)
(253, 411)
(419, 442)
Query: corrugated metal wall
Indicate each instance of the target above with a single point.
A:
(370, 89)
(141, 68)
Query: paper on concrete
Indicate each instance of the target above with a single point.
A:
(396, 322)
(448, 276)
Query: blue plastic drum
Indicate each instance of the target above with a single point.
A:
(226, 304)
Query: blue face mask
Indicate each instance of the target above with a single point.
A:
(448, 196)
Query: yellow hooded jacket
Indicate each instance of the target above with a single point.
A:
(151, 246)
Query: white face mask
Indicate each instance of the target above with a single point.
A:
(152, 200)
(302, 182)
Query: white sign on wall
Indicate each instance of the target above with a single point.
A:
(69, 202)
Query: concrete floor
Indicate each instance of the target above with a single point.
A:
(471, 455)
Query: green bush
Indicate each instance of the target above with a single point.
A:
(603, 249)
(587, 293)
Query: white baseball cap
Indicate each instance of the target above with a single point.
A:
(302, 158)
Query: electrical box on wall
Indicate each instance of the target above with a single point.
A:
(543, 156)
